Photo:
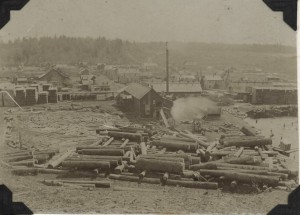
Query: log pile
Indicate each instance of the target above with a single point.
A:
(174, 158)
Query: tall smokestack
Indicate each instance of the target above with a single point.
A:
(167, 66)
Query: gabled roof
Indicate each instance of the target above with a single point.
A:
(136, 90)
(55, 70)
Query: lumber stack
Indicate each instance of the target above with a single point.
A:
(52, 96)
(43, 97)
(21, 96)
(31, 96)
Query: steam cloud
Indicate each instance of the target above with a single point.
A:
(185, 109)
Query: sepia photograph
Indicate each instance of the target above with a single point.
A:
(148, 107)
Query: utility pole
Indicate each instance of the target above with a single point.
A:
(167, 66)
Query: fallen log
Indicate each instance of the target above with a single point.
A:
(195, 160)
(243, 160)
(258, 172)
(99, 157)
(108, 142)
(259, 150)
(186, 157)
(102, 184)
(176, 145)
(135, 189)
(162, 151)
(28, 163)
(243, 177)
(41, 158)
(192, 137)
(249, 167)
(203, 166)
(124, 143)
(55, 163)
(112, 163)
(170, 182)
(180, 139)
(126, 148)
(24, 171)
(17, 154)
(192, 184)
(120, 135)
(172, 159)
(248, 143)
(245, 152)
(106, 151)
(248, 131)
(19, 158)
(159, 165)
(48, 152)
(103, 165)
(134, 179)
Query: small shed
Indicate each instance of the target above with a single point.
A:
(141, 99)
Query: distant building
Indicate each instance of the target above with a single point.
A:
(245, 86)
(142, 100)
(56, 77)
(212, 82)
(87, 79)
(178, 89)
(274, 95)
(21, 81)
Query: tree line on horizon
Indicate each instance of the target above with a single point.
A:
(72, 50)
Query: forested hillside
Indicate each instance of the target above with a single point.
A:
(68, 50)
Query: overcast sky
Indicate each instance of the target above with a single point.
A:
(220, 21)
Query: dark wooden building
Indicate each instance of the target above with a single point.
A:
(142, 100)
(56, 77)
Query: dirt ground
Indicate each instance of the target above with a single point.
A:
(62, 127)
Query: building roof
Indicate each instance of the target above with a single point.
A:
(22, 79)
(136, 90)
(55, 70)
(213, 78)
(178, 87)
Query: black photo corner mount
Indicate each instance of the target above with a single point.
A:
(7, 206)
(293, 206)
(6, 6)
(288, 8)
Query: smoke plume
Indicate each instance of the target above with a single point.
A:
(186, 109)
